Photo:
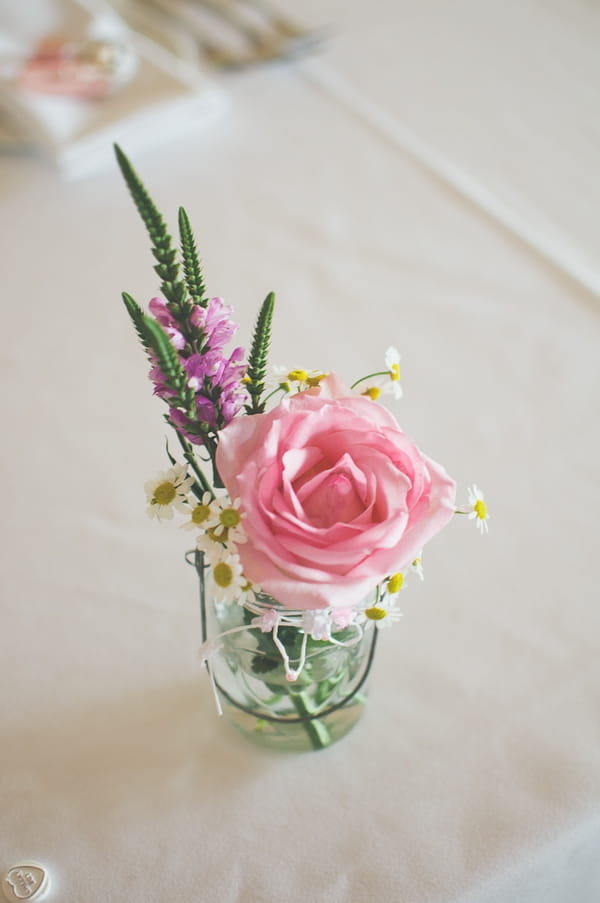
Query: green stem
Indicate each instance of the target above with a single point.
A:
(216, 475)
(274, 392)
(189, 456)
(318, 734)
(370, 376)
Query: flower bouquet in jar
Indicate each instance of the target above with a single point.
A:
(308, 504)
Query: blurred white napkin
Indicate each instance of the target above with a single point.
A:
(164, 99)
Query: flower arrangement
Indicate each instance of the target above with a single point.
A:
(309, 503)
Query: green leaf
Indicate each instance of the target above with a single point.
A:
(257, 361)
(155, 340)
(262, 664)
(191, 262)
(161, 352)
(167, 268)
(137, 315)
(168, 361)
(169, 455)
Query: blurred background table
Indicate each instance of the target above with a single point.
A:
(430, 179)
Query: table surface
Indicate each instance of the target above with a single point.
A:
(429, 179)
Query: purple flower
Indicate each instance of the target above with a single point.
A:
(160, 386)
(215, 322)
(190, 427)
(231, 404)
(161, 313)
(215, 376)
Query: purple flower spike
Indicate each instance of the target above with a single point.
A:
(214, 376)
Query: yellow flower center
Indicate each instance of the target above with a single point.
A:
(211, 535)
(395, 582)
(246, 380)
(223, 574)
(164, 494)
(377, 613)
(315, 380)
(480, 509)
(229, 517)
(373, 393)
(395, 372)
(299, 376)
(200, 514)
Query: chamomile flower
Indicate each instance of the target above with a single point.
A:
(277, 378)
(394, 584)
(392, 362)
(373, 388)
(382, 613)
(383, 382)
(225, 520)
(417, 567)
(227, 577)
(168, 491)
(199, 514)
(298, 378)
(248, 593)
(212, 547)
(478, 510)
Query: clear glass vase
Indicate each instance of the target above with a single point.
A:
(311, 712)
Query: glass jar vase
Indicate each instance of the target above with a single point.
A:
(304, 699)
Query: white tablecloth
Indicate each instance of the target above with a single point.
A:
(431, 179)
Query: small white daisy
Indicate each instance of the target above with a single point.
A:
(417, 567)
(300, 379)
(392, 362)
(199, 514)
(478, 510)
(277, 378)
(248, 593)
(384, 382)
(213, 549)
(394, 584)
(227, 577)
(225, 520)
(374, 387)
(168, 491)
(382, 614)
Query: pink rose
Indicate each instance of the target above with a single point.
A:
(337, 497)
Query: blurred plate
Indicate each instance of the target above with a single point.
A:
(164, 99)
